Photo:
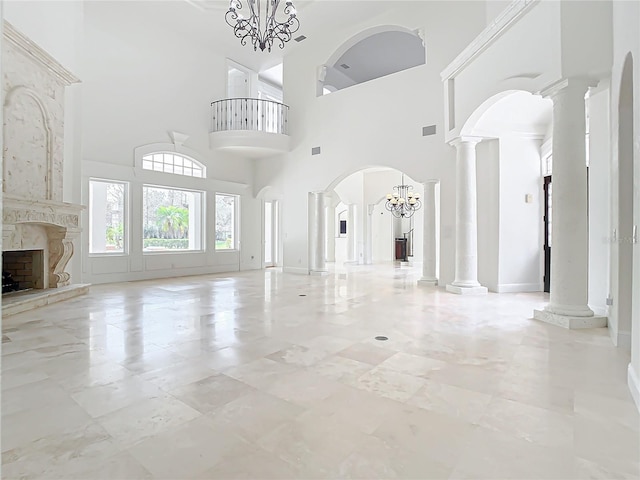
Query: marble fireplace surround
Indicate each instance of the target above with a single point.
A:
(34, 215)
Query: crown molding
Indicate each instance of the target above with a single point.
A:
(32, 50)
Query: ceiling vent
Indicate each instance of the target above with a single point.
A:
(315, 151)
(300, 38)
(345, 66)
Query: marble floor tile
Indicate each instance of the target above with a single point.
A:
(535, 424)
(366, 353)
(186, 451)
(212, 392)
(26, 426)
(255, 414)
(238, 376)
(146, 418)
(389, 383)
(61, 454)
(450, 400)
(495, 455)
(122, 466)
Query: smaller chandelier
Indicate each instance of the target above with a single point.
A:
(262, 28)
(403, 203)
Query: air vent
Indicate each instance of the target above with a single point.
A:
(429, 130)
(300, 38)
(315, 151)
(345, 66)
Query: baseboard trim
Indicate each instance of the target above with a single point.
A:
(518, 287)
(624, 340)
(634, 385)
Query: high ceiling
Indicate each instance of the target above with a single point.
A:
(202, 21)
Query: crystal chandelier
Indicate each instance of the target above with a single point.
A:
(261, 27)
(403, 203)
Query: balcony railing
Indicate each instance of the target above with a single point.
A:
(251, 114)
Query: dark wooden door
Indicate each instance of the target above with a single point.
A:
(547, 232)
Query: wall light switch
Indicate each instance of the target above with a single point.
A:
(528, 198)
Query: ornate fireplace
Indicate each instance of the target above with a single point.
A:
(35, 218)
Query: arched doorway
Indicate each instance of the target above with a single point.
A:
(625, 204)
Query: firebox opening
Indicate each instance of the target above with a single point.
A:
(22, 270)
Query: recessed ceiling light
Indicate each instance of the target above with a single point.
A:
(300, 38)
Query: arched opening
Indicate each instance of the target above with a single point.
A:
(510, 194)
(363, 230)
(625, 204)
(372, 54)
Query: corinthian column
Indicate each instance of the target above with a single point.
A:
(466, 267)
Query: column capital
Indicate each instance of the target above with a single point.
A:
(432, 181)
(465, 140)
(579, 85)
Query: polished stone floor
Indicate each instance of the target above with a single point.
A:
(266, 375)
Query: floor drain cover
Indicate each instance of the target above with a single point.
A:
(382, 338)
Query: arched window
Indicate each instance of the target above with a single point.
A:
(169, 162)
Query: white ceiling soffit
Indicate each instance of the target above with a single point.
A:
(519, 113)
(376, 56)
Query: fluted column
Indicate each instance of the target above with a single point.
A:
(429, 234)
(317, 235)
(466, 266)
(570, 252)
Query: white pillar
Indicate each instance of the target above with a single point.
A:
(368, 244)
(466, 266)
(570, 251)
(352, 235)
(330, 223)
(317, 237)
(429, 234)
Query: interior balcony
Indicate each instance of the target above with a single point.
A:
(250, 127)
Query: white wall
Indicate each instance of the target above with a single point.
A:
(520, 221)
(495, 8)
(382, 249)
(599, 199)
(626, 39)
(377, 123)
(151, 81)
(488, 192)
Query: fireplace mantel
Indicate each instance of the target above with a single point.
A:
(17, 210)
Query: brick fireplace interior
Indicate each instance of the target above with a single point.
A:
(22, 270)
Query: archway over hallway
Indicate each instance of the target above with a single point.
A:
(625, 205)
(363, 231)
(508, 131)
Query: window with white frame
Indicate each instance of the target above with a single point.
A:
(168, 162)
(226, 221)
(172, 219)
(107, 216)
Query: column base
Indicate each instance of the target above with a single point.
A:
(570, 322)
(317, 273)
(428, 282)
(479, 290)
